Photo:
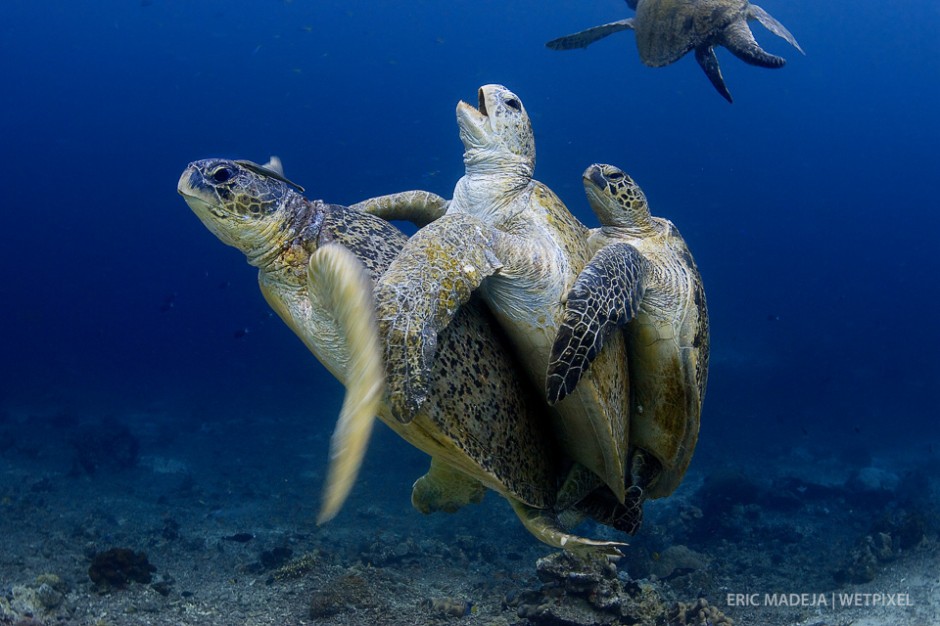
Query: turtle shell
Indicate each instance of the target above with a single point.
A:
(667, 29)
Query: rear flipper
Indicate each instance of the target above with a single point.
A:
(584, 38)
(418, 207)
(545, 527)
(605, 296)
(418, 296)
(336, 278)
(739, 39)
(705, 55)
(756, 13)
(446, 489)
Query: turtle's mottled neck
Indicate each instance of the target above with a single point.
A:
(288, 240)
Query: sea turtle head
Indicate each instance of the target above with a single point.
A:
(497, 135)
(616, 199)
(244, 204)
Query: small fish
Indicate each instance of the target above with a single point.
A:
(241, 332)
(239, 537)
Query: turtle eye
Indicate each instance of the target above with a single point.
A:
(223, 174)
(615, 176)
(514, 104)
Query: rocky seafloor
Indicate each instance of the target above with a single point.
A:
(152, 519)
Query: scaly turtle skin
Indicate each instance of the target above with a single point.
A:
(317, 263)
(666, 324)
(668, 29)
(512, 237)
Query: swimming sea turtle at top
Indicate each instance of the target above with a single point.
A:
(667, 29)
(316, 264)
(667, 336)
(513, 238)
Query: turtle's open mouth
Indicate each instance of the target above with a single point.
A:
(478, 112)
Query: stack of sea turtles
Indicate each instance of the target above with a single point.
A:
(560, 366)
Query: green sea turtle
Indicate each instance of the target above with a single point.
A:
(316, 265)
(513, 238)
(667, 29)
(667, 336)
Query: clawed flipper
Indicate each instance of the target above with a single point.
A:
(605, 296)
(337, 279)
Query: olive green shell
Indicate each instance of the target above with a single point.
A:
(668, 340)
(482, 417)
(668, 29)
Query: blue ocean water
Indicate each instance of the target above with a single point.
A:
(810, 203)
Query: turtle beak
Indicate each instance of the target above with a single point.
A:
(191, 180)
(472, 122)
(199, 195)
(594, 176)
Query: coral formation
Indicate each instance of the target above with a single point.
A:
(698, 613)
(28, 604)
(586, 590)
(117, 567)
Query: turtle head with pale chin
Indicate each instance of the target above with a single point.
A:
(496, 134)
(243, 203)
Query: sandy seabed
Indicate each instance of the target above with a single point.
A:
(224, 515)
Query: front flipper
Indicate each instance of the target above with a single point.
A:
(445, 489)
(605, 296)
(416, 298)
(418, 207)
(338, 280)
(588, 36)
(739, 40)
(705, 55)
(771, 24)
(545, 527)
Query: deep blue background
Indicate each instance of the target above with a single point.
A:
(810, 204)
